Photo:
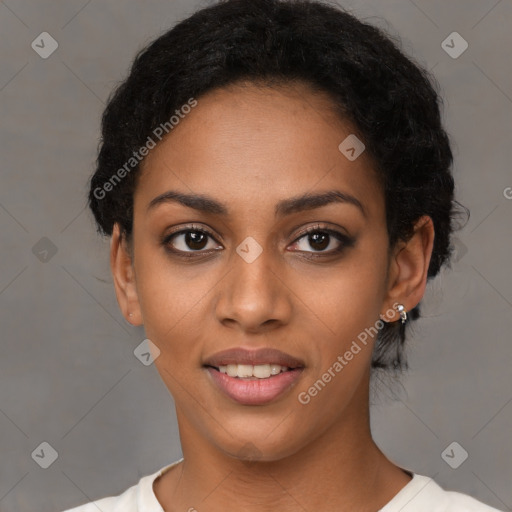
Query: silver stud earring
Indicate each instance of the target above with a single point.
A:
(403, 312)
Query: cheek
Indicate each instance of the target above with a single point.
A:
(345, 299)
(342, 322)
(172, 303)
(343, 341)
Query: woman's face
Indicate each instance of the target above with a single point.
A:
(258, 281)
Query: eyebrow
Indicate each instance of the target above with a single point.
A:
(206, 204)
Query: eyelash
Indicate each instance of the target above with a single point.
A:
(345, 242)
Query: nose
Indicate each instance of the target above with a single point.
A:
(254, 297)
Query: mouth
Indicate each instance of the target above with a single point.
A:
(252, 372)
(253, 377)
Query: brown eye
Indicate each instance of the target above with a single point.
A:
(188, 241)
(322, 240)
(319, 241)
(195, 240)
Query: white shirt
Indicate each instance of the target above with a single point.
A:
(421, 494)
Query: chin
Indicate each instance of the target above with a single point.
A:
(254, 448)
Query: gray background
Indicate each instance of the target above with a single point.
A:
(68, 375)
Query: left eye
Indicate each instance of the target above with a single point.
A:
(320, 240)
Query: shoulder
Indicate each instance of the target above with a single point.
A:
(456, 501)
(126, 502)
(138, 498)
(422, 494)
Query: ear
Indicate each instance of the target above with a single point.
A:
(407, 277)
(124, 278)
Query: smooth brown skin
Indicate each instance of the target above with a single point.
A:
(248, 148)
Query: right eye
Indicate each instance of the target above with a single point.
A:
(192, 238)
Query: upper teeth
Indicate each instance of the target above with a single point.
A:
(261, 371)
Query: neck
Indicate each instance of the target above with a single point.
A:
(342, 469)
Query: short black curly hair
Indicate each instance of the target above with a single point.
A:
(392, 101)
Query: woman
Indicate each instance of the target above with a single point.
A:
(276, 182)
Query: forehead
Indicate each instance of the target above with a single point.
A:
(253, 145)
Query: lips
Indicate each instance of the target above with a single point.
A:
(261, 356)
(251, 377)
